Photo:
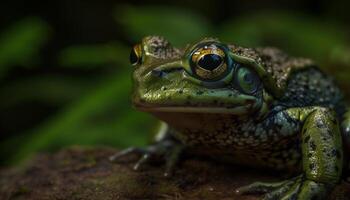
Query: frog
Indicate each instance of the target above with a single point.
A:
(254, 107)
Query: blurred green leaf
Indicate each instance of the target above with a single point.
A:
(294, 33)
(80, 123)
(179, 26)
(103, 115)
(49, 89)
(88, 56)
(341, 55)
(21, 42)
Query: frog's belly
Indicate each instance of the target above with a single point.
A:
(276, 152)
(275, 158)
(271, 143)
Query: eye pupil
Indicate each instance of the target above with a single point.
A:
(134, 59)
(210, 61)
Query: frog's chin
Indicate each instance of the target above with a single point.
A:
(197, 119)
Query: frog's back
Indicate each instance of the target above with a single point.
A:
(301, 81)
(311, 87)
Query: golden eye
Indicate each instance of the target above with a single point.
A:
(136, 55)
(209, 62)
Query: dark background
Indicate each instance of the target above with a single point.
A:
(64, 72)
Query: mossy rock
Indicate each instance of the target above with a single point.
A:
(86, 173)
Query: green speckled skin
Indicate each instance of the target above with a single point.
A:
(291, 117)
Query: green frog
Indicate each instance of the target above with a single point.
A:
(255, 107)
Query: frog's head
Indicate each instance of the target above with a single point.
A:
(205, 77)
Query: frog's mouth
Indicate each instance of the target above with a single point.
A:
(182, 109)
(199, 118)
(188, 103)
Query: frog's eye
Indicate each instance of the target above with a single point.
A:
(209, 62)
(247, 80)
(136, 55)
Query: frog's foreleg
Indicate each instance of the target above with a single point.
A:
(322, 157)
(165, 146)
(322, 153)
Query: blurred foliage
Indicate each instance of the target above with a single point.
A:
(298, 34)
(20, 43)
(95, 109)
(86, 56)
(177, 25)
(51, 89)
(100, 117)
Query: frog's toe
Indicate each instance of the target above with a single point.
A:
(125, 153)
(313, 190)
(260, 187)
(168, 150)
(297, 188)
(144, 155)
(288, 191)
(172, 159)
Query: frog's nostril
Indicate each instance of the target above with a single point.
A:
(157, 73)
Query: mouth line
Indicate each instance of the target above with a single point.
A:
(194, 109)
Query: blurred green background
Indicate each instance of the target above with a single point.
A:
(64, 72)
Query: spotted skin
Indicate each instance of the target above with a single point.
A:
(240, 141)
(280, 113)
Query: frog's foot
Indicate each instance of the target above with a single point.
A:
(297, 188)
(170, 151)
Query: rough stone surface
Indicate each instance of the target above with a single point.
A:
(86, 173)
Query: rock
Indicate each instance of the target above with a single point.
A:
(86, 173)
